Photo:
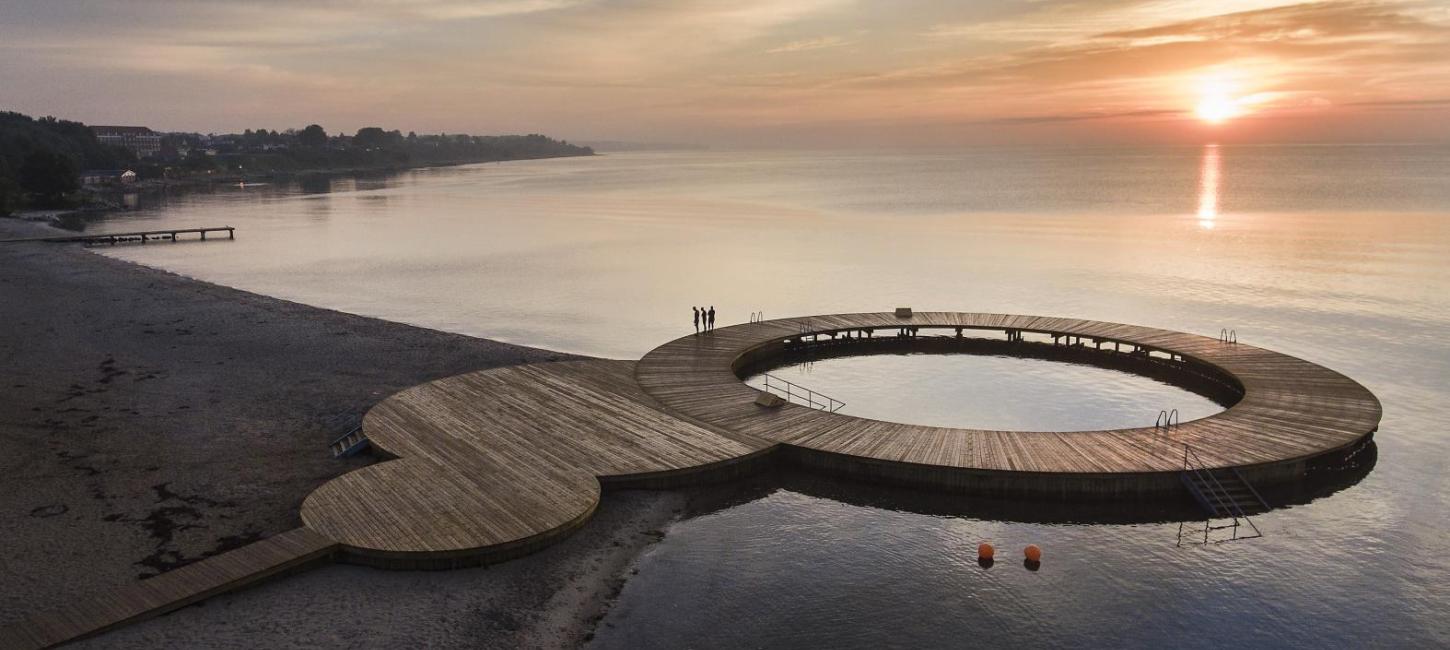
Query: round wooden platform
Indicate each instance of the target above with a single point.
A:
(1291, 410)
(498, 463)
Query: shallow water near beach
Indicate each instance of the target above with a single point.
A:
(1336, 254)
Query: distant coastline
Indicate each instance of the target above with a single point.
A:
(110, 199)
(608, 146)
(67, 167)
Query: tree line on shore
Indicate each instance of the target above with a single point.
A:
(41, 158)
(312, 149)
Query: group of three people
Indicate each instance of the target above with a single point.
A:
(704, 318)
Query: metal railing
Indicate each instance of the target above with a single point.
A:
(1166, 419)
(1228, 336)
(349, 443)
(1218, 496)
(793, 392)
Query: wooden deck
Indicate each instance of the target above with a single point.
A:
(1292, 411)
(498, 463)
(88, 616)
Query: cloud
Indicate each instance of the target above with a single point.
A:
(809, 44)
(1082, 117)
(1406, 103)
(1363, 40)
(615, 68)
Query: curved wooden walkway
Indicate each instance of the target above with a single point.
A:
(1292, 410)
(498, 463)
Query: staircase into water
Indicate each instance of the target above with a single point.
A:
(350, 443)
(798, 394)
(1225, 496)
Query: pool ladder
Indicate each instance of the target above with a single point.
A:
(350, 443)
(795, 393)
(1223, 493)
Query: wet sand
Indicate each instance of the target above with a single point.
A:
(148, 420)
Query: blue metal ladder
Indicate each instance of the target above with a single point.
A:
(350, 443)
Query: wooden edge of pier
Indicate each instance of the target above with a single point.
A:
(143, 236)
(293, 550)
(499, 463)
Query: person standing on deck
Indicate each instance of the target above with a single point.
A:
(710, 319)
(697, 319)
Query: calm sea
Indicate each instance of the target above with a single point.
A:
(1338, 254)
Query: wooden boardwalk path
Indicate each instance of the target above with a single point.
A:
(498, 463)
(169, 591)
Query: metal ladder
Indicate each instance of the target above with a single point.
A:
(350, 443)
(795, 393)
(1223, 494)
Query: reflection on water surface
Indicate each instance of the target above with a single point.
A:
(1336, 254)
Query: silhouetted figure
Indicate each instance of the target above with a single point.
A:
(697, 319)
(711, 318)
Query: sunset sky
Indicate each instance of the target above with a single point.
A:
(745, 72)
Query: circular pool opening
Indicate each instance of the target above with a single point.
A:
(991, 392)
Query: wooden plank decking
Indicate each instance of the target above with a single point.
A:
(494, 464)
(169, 591)
(1292, 410)
(497, 463)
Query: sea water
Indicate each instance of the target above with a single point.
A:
(1336, 254)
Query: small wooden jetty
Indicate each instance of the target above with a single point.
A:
(141, 236)
(494, 464)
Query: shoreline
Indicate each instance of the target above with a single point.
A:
(98, 201)
(151, 420)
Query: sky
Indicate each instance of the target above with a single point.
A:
(811, 73)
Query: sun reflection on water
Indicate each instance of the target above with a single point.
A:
(1208, 187)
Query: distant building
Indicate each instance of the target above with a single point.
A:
(139, 139)
(107, 176)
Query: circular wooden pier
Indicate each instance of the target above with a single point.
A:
(494, 464)
(498, 463)
(1290, 411)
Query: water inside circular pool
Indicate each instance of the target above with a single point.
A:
(989, 392)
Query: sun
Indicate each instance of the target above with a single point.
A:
(1217, 108)
(1220, 96)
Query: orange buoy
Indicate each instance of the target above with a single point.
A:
(985, 551)
(1033, 553)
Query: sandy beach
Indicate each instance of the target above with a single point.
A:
(151, 420)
